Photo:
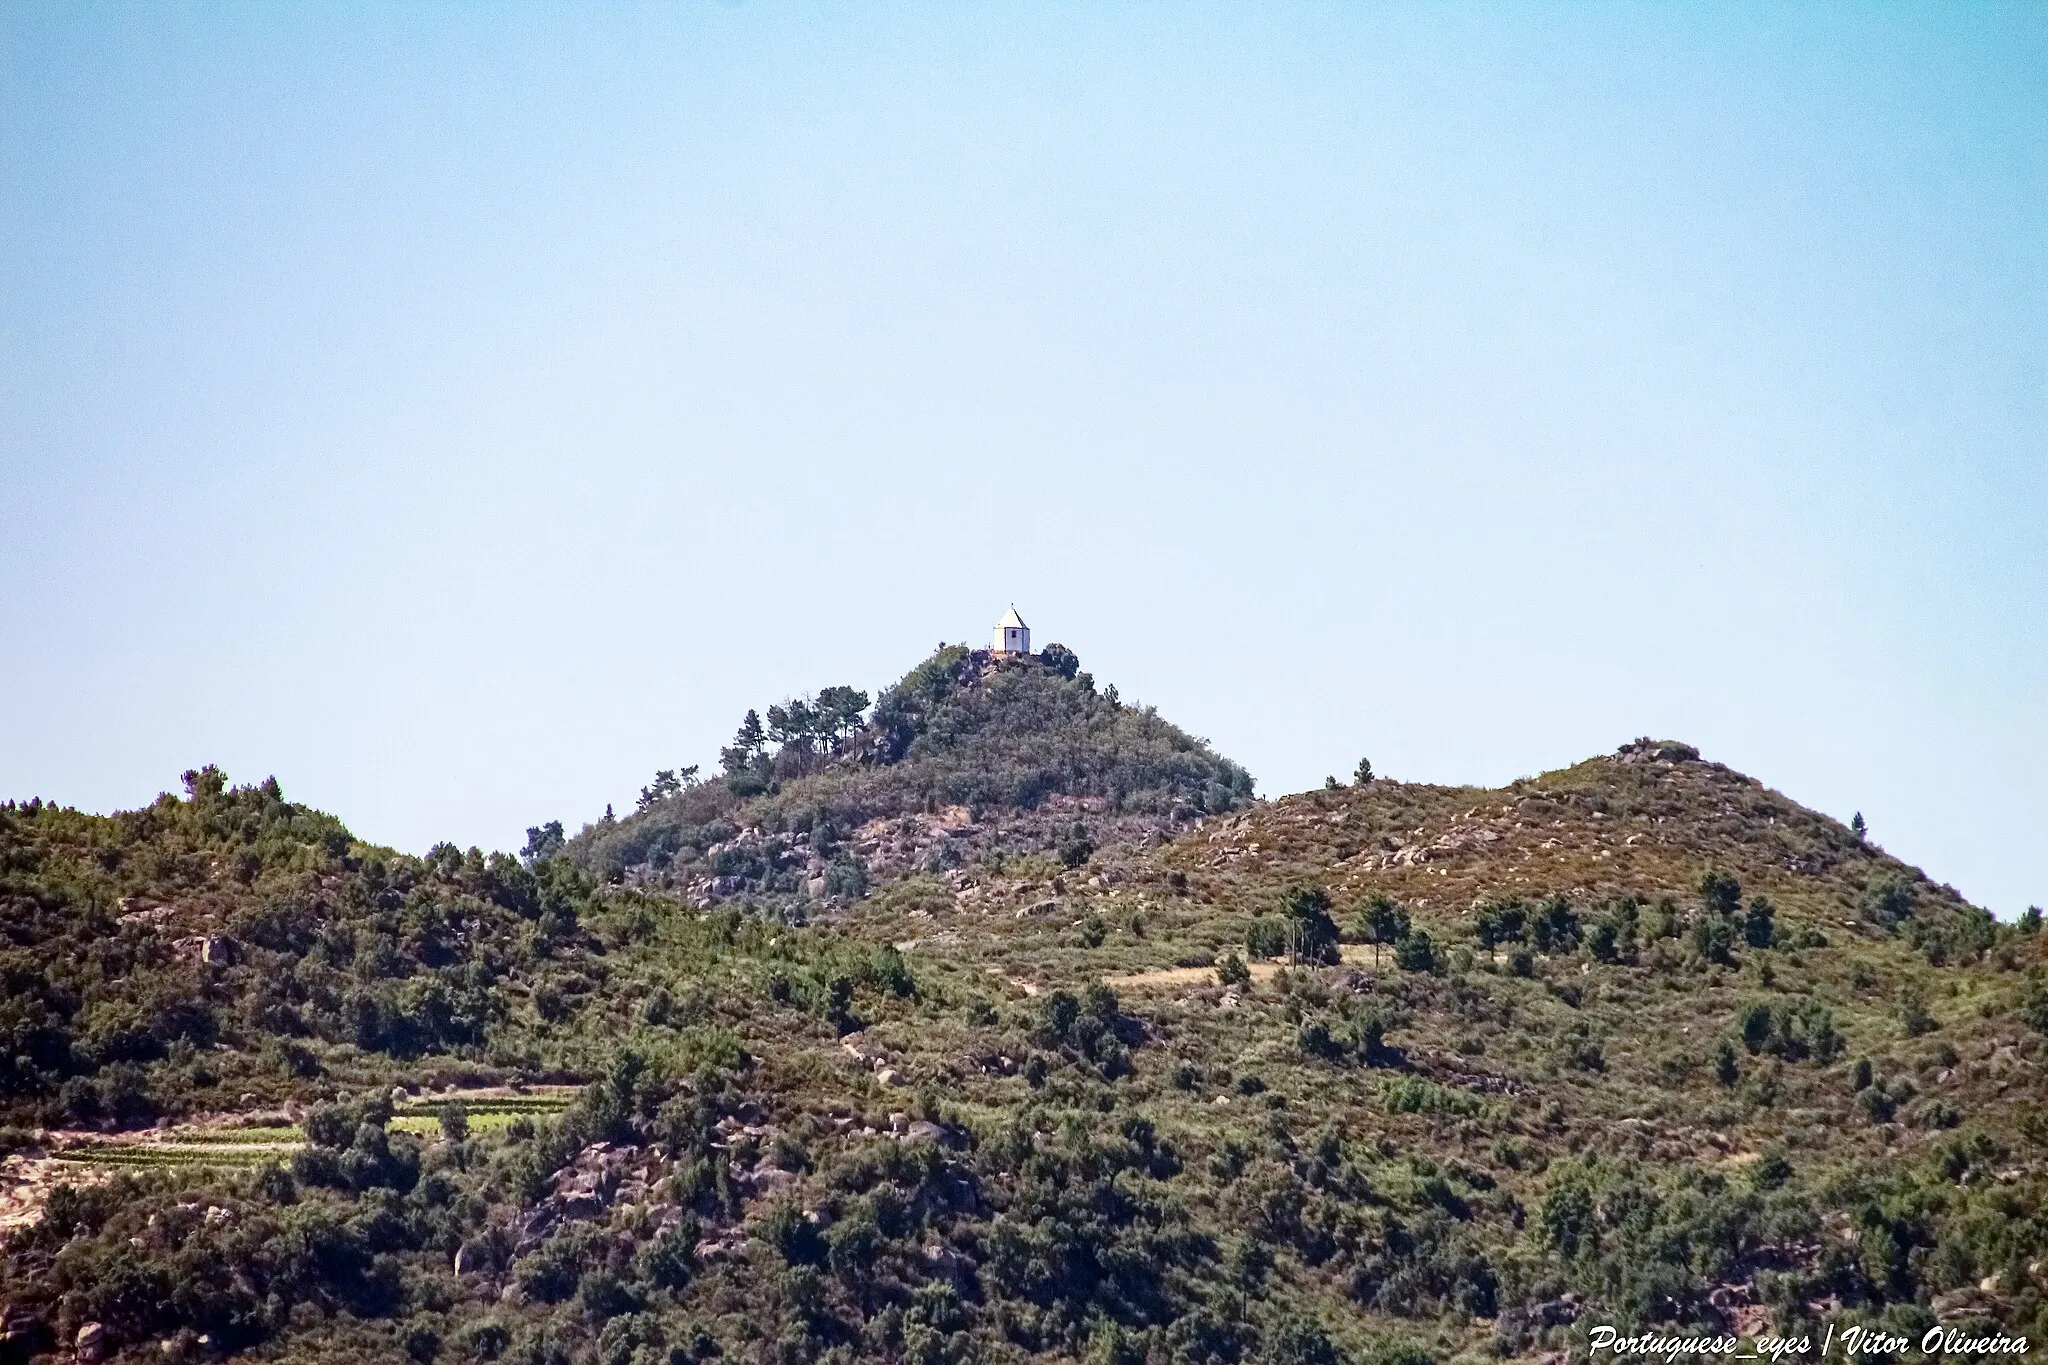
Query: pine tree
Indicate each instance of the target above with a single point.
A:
(746, 747)
(1313, 932)
(1760, 928)
(1383, 922)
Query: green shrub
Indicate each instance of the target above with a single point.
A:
(1910, 1003)
(454, 1121)
(1604, 941)
(1713, 939)
(1754, 1022)
(1770, 1172)
(1415, 953)
(1554, 928)
(1413, 1095)
(1720, 893)
(1889, 903)
(1759, 926)
(1301, 1341)
(1265, 938)
(885, 971)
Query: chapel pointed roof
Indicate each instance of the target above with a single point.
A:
(1011, 620)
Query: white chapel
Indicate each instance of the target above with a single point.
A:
(1012, 635)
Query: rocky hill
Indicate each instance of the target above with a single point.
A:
(968, 757)
(998, 1023)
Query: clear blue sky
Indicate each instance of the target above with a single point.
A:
(462, 410)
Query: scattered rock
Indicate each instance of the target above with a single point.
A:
(1962, 1304)
(143, 913)
(720, 1248)
(1656, 751)
(772, 1180)
(582, 1206)
(944, 1260)
(1517, 1322)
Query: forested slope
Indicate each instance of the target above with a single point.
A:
(1043, 1043)
(966, 757)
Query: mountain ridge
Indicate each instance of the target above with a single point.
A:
(1041, 1041)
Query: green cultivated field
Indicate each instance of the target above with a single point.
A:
(236, 1147)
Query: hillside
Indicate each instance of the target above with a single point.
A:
(998, 1024)
(967, 757)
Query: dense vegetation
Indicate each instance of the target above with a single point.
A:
(232, 948)
(1105, 1064)
(1020, 748)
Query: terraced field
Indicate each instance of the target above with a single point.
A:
(224, 1144)
(488, 1114)
(155, 1156)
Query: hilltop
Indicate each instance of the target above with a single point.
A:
(998, 1022)
(1646, 820)
(968, 756)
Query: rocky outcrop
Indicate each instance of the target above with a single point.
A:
(1656, 751)
(587, 1188)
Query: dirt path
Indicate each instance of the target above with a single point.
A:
(1183, 976)
(1354, 954)
(1025, 986)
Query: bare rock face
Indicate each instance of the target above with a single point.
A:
(1656, 751)
(582, 1206)
(91, 1343)
(949, 1263)
(1515, 1324)
(767, 1180)
(713, 1249)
